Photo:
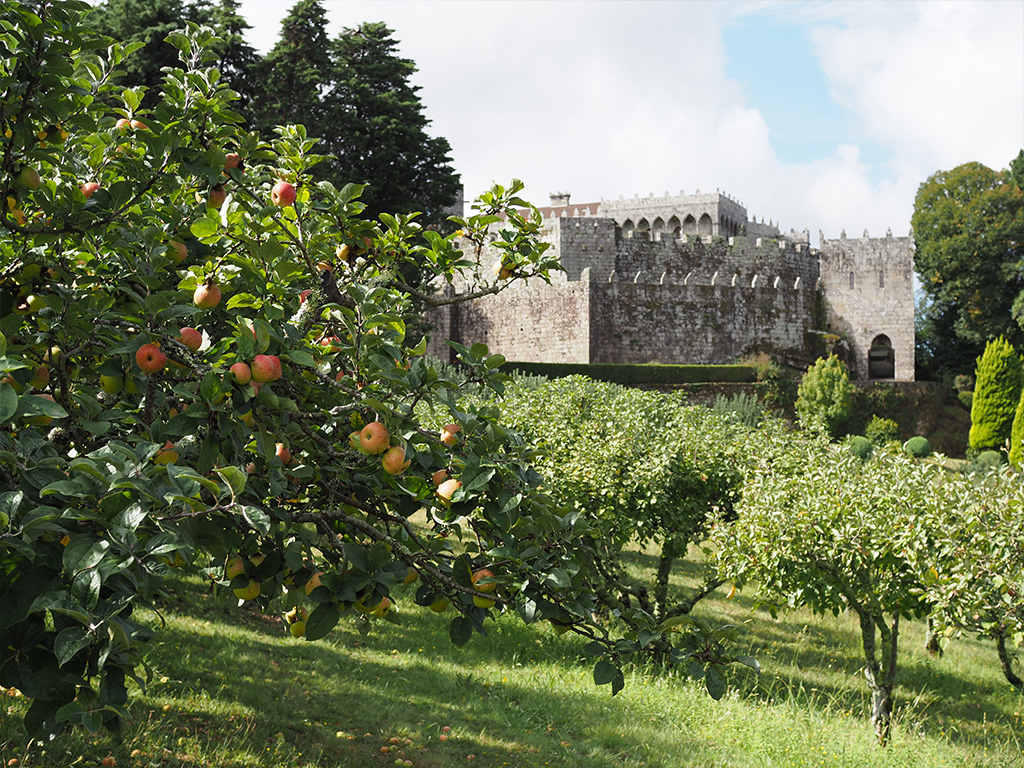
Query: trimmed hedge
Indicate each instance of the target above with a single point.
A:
(639, 374)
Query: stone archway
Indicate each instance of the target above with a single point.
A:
(706, 226)
(689, 225)
(881, 358)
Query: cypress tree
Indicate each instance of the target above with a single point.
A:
(1017, 434)
(997, 393)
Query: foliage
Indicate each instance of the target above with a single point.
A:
(743, 406)
(823, 529)
(860, 446)
(969, 235)
(1000, 380)
(357, 91)
(125, 451)
(647, 469)
(918, 447)
(1016, 453)
(881, 431)
(825, 395)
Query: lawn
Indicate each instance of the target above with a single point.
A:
(231, 688)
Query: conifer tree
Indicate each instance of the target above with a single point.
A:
(379, 131)
(999, 382)
(1016, 456)
(825, 395)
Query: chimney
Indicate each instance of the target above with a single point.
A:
(559, 198)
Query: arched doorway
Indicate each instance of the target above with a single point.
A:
(881, 359)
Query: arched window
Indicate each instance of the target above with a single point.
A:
(674, 226)
(881, 359)
(627, 228)
(658, 228)
(689, 225)
(705, 226)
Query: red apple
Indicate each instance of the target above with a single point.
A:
(242, 373)
(439, 477)
(394, 460)
(41, 420)
(483, 573)
(207, 295)
(40, 377)
(167, 454)
(88, 188)
(216, 196)
(138, 125)
(191, 338)
(177, 251)
(232, 160)
(447, 489)
(282, 452)
(150, 359)
(374, 438)
(304, 295)
(266, 368)
(283, 194)
(449, 435)
(122, 124)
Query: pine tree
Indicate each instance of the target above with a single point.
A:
(379, 131)
(997, 392)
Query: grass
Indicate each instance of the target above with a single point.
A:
(231, 689)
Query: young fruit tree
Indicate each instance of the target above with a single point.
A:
(198, 372)
(820, 528)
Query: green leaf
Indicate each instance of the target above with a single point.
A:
(715, 683)
(321, 621)
(300, 357)
(257, 518)
(69, 642)
(8, 402)
(205, 227)
(235, 479)
(460, 631)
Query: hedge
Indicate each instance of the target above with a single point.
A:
(639, 374)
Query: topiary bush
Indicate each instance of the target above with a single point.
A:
(860, 447)
(1000, 378)
(825, 396)
(918, 447)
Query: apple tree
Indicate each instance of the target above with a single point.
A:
(819, 528)
(647, 469)
(205, 364)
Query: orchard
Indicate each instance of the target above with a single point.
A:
(169, 281)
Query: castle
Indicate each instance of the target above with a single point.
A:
(690, 279)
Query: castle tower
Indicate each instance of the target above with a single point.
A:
(868, 288)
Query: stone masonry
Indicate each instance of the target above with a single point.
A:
(689, 279)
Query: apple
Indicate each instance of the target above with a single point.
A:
(298, 613)
(502, 270)
(167, 454)
(297, 628)
(28, 178)
(88, 188)
(123, 124)
(411, 574)
(440, 605)
(138, 125)
(314, 582)
(355, 441)
(242, 372)
(150, 359)
(341, 252)
(249, 592)
(483, 573)
(283, 194)
(34, 302)
(383, 608)
(42, 420)
(232, 160)
(324, 266)
(282, 452)
(394, 460)
(449, 435)
(374, 438)
(439, 477)
(177, 250)
(235, 567)
(305, 295)
(191, 338)
(111, 384)
(40, 377)
(266, 368)
(207, 295)
(216, 196)
(447, 489)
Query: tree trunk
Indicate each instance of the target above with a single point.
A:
(880, 672)
(661, 580)
(1006, 661)
(931, 640)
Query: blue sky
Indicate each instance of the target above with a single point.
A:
(817, 115)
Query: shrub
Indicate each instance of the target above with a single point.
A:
(966, 399)
(744, 407)
(985, 461)
(881, 431)
(826, 395)
(1000, 378)
(963, 383)
(918, 446)
(860, 447)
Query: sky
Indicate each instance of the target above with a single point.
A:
(824, 116)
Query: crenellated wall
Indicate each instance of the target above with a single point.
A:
(692, 299)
